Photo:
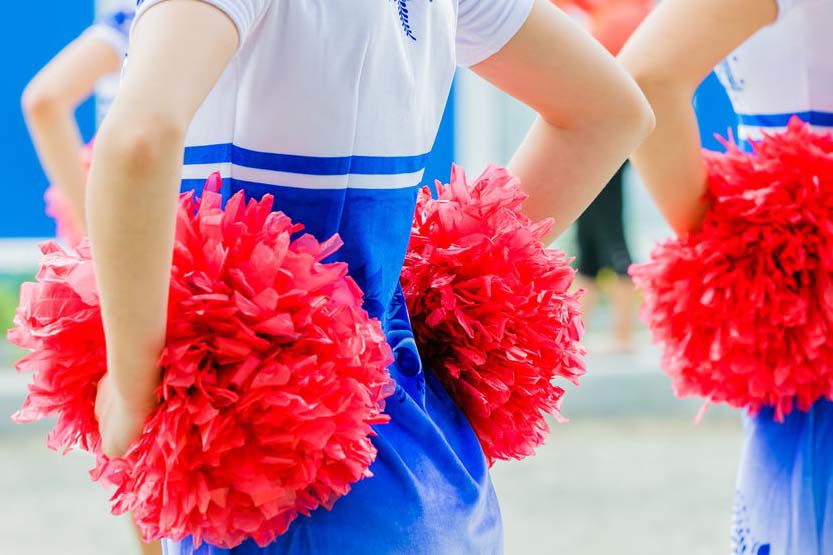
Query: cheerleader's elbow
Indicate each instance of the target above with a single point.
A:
(648, 120)
(661, 88)
(39, 102)
(623, 112)
(634, 113)
(138, 144)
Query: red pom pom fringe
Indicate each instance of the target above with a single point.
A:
(272, 376)
(491, 309)
(743, 306)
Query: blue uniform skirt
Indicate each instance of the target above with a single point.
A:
(784, 499)
(430, 492)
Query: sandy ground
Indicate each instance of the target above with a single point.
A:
(630, 475)
(624, 486)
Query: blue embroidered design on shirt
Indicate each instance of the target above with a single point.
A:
(404, 18)
(742, 541)
(727, 74)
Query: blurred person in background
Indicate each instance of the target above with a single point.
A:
(49, 102)
(600, 230)
(774, 59)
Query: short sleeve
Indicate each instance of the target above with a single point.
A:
(244, 13)
(485, 26)
(785, 6)
(113, 29)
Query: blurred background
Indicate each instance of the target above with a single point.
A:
(630, 474)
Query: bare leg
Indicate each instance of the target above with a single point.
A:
(622, 300)
(591, 293)
(154, 548)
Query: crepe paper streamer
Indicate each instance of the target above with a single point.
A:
(492, 310)
(272, 376)
(743, 306)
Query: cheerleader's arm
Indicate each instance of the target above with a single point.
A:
(592, 115)
(669, 55)
(49, 102)
(178, 50)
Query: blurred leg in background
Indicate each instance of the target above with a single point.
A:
(601, 245)
(154, 548)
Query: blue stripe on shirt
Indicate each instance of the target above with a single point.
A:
(231, 184)
(304, 165)
(823, 119)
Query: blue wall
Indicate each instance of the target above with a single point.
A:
(34, 33)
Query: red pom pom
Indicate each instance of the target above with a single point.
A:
(272, 376)
(743, 306)
(59, 321)
(491, 309)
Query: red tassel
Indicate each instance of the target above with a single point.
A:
(491, 309)
(272, 376)
(742, 306)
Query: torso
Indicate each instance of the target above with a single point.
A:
(337, 128)
(363, 89)
(338, 133)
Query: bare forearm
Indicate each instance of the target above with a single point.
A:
(563, 170)
(131, 215)
(58, 144)
(669, 55)
(670, 160)
(592, 115)
(135, 177)
(133, 187)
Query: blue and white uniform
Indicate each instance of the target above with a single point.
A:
(113, 29)
(783, 70)
(332, 107)
(784, 499)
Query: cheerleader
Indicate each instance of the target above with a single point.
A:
(773, 59)
(332, 106)
(49, 103)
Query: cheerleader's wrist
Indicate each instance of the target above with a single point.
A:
(136, 388)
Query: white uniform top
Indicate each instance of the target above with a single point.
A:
(784, 69)
(113, 29)
(339, 93)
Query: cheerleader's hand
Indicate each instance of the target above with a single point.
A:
(120, 423)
